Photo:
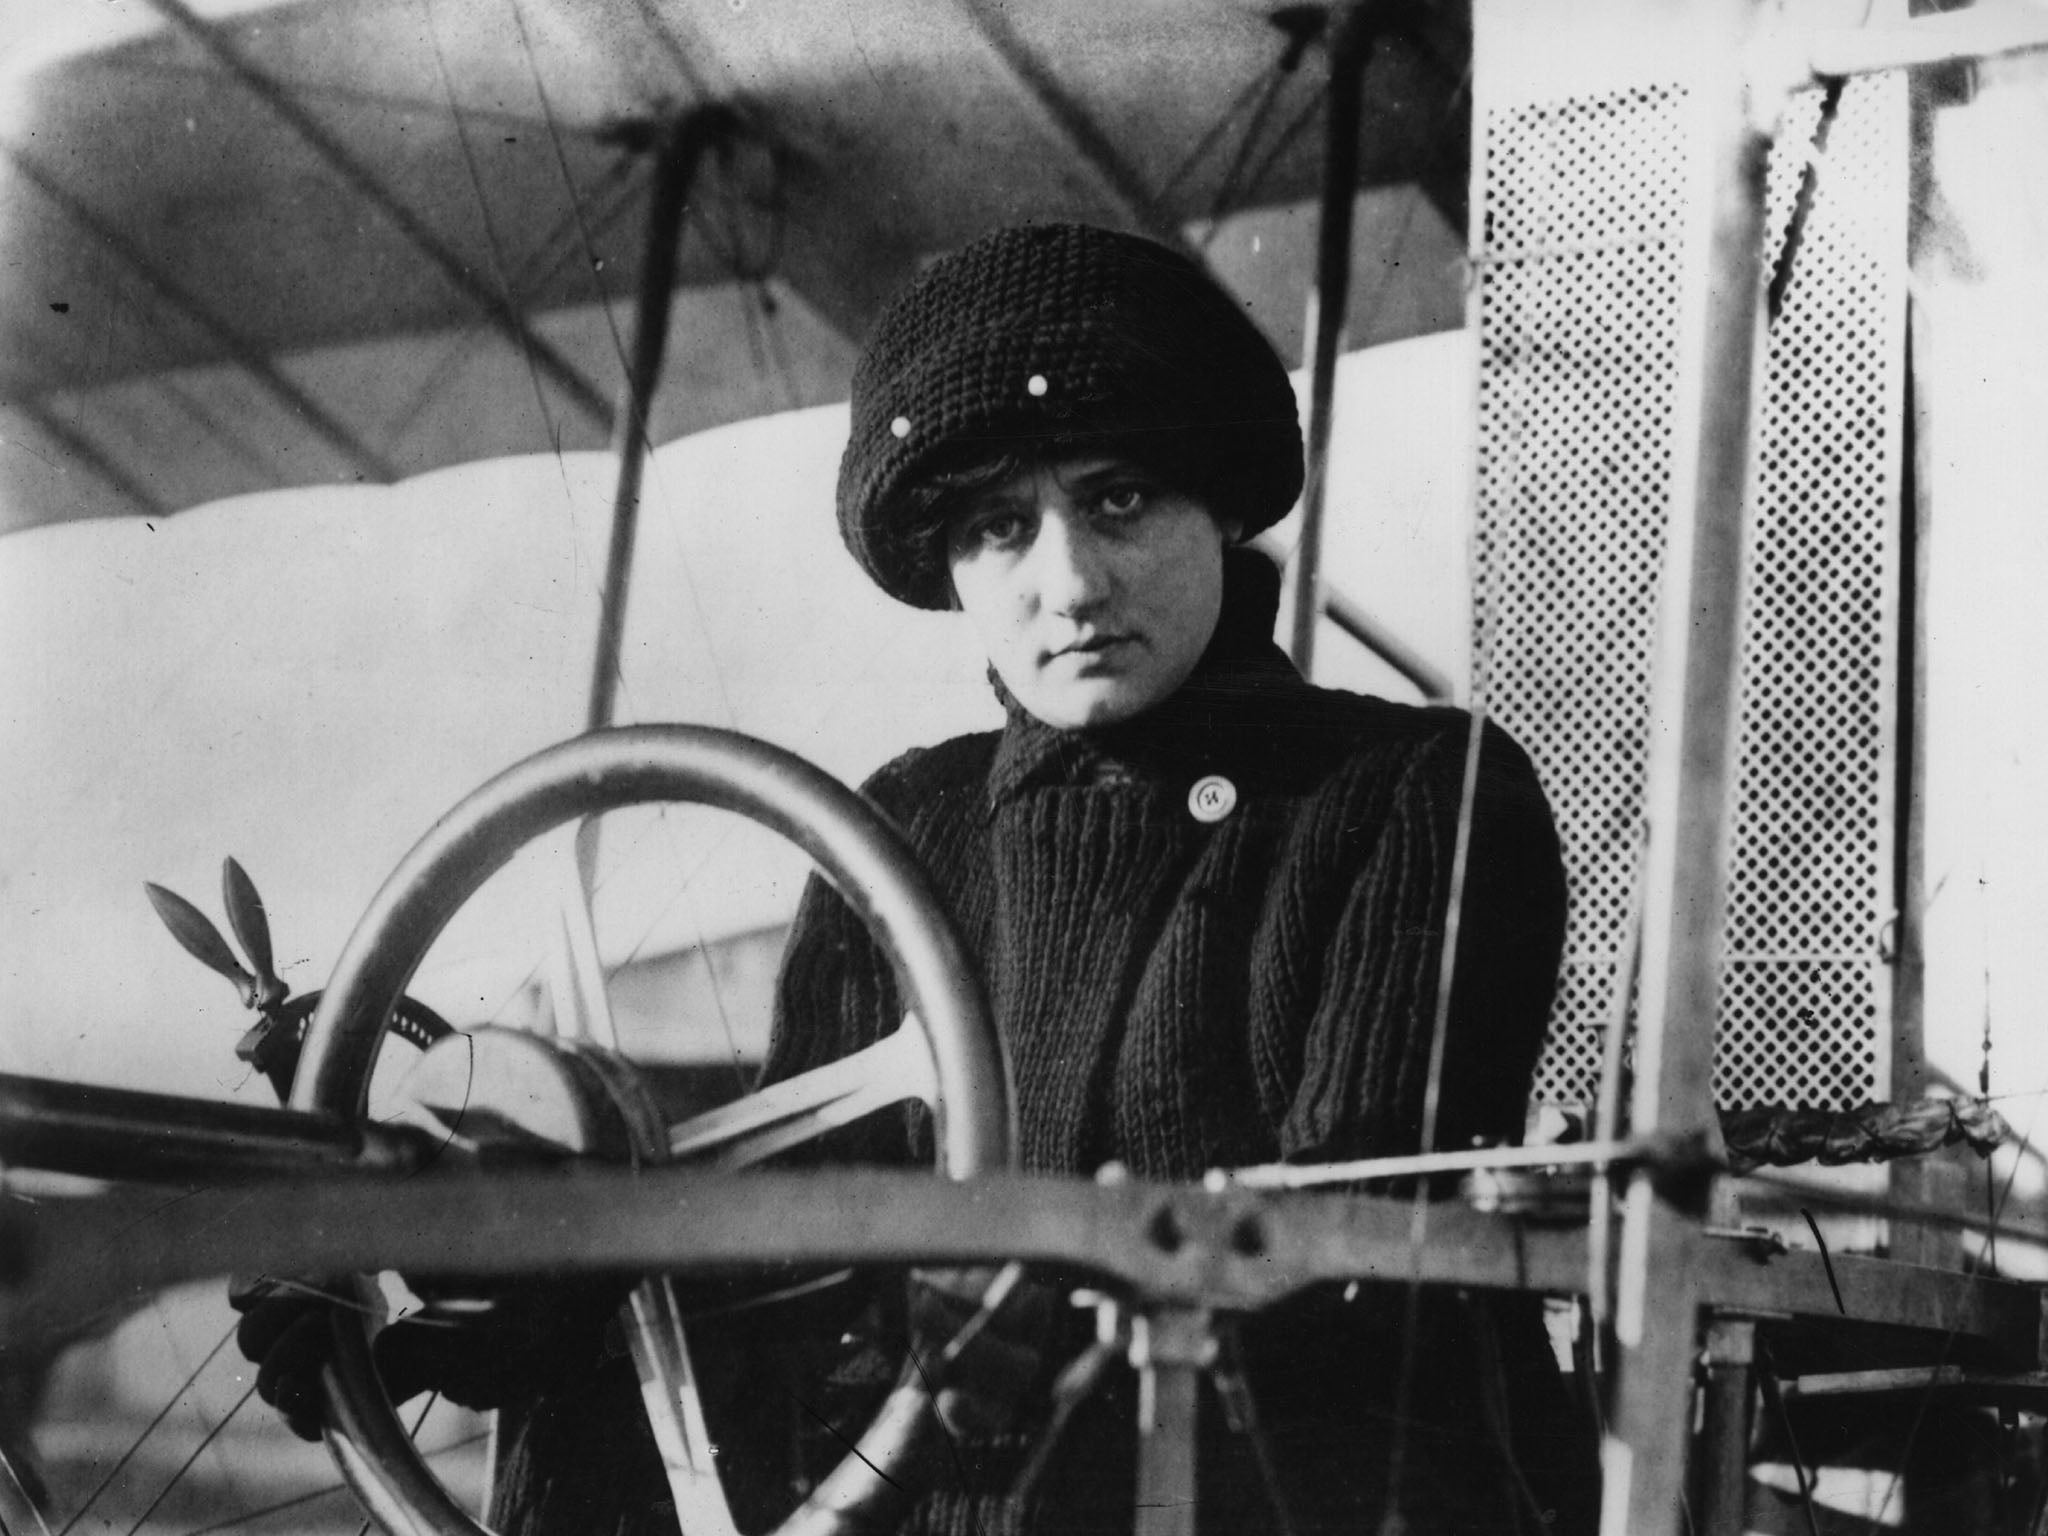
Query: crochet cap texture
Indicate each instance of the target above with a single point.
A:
(1070, 334)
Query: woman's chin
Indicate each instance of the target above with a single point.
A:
(1087, 704)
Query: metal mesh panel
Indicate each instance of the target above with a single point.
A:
(1805, 1007)
(1581, 276)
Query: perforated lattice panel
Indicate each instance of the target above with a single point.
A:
(1581, 270)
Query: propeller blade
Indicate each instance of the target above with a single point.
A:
(201, 940)
(246, 916)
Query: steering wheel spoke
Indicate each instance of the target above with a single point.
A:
(675, 1408)
(896, 1068)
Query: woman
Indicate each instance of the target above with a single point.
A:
(1208, 900)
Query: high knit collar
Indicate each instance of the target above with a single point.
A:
(1242, 680)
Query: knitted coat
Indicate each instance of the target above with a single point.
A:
(1179, 994)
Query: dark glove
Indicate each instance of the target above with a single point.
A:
(287, 1333)
(478, 1344)
(981, 1338)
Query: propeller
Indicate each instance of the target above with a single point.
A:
(246, 916)
(200, 939)
(271, 1044)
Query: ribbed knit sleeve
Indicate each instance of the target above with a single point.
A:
(1349, 1033)
(834, 996)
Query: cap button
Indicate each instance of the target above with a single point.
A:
(1212, 798)
(1035, 385)
(900, 426)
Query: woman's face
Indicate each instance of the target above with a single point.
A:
(1093, 586)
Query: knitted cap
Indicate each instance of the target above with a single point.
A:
(1067, 336)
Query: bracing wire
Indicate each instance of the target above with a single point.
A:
(492, 244)
(324, 1491)
(121, 1462)
(1440, 1014)
(1284, 141)
(725, 237)
(206, 1440)
(1227, 188)
(585, 238)
(551, 253)
(230, 1480)
(1264, 86)
(583, 230)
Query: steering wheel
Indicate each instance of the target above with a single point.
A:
(962, 1077)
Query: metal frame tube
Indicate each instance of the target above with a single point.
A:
(1685, 800)
(681, 147)
(120, 1133)
(1350, 44)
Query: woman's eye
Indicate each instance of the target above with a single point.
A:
(994, 530)
(1122, 500)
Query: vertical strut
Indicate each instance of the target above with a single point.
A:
(1171, 1349)
(1686, 795)
(1723, 1475)
(1350, 42)
(679, 148)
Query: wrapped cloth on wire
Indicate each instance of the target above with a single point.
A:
(1777, 1137)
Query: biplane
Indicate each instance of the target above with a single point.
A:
(1724, 322)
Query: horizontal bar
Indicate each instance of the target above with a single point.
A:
(2024, 1389)
(1603, 1154)
(1799, 1194)
(1177, 1245)
(1429, 680)
(119, 1133)
(1350, 616)
(1954, 38)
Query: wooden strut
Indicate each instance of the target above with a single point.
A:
(1658, 1296)
(1349, 46)
(680, 147)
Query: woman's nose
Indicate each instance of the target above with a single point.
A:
(1073, 575)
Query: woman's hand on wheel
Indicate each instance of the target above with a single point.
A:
(476, 1344)
(981, 1337)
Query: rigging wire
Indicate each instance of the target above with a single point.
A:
(185, 1466)
(1283, 142)
(1474, 739)
(771, 258)
(550, 255)
(1227, 188)
(1264, 86)
(492, 245)
(583, 230)
(121, 1462)
(231, 1483)
(585, 238)
(725, 237)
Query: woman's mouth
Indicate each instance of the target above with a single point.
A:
(1093, 645)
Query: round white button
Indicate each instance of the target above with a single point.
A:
(1035, 385)
(1212, 798)
(900, 426)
